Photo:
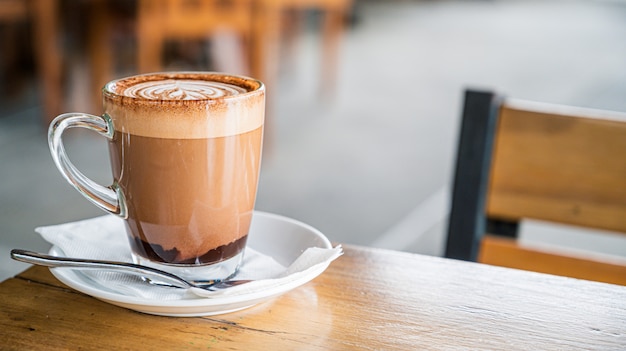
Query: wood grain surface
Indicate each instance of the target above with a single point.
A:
(369, 299)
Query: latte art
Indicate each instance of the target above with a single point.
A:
(182, 90)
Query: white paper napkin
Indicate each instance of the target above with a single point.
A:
(104, 238)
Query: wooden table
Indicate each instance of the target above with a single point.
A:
(369, 299)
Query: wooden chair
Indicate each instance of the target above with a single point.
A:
(12, 13)
(51, 57)
(42, 15)
(522, 160)
(162, 20)
(276, 21)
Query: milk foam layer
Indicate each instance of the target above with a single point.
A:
(185, 105)
(182, 89)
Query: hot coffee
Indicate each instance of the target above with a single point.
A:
(186, 155)
(185, 151)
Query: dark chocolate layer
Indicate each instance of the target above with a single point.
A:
(156, 253)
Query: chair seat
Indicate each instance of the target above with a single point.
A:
(508, 252)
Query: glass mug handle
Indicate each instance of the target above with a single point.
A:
(111, 198)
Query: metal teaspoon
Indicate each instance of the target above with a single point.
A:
(156, 276)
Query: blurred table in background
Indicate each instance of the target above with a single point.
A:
(258, 25)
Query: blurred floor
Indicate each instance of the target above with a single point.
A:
(371, 165)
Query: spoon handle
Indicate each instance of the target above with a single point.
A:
(135, 269)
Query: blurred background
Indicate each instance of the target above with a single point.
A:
(364, 97)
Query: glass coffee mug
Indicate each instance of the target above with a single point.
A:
(185, 152)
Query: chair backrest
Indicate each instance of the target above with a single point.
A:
(161, 20)
(524, 160)
(201, 17)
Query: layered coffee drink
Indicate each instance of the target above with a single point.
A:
(186, 155)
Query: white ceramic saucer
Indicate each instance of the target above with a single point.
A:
(282, 238)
